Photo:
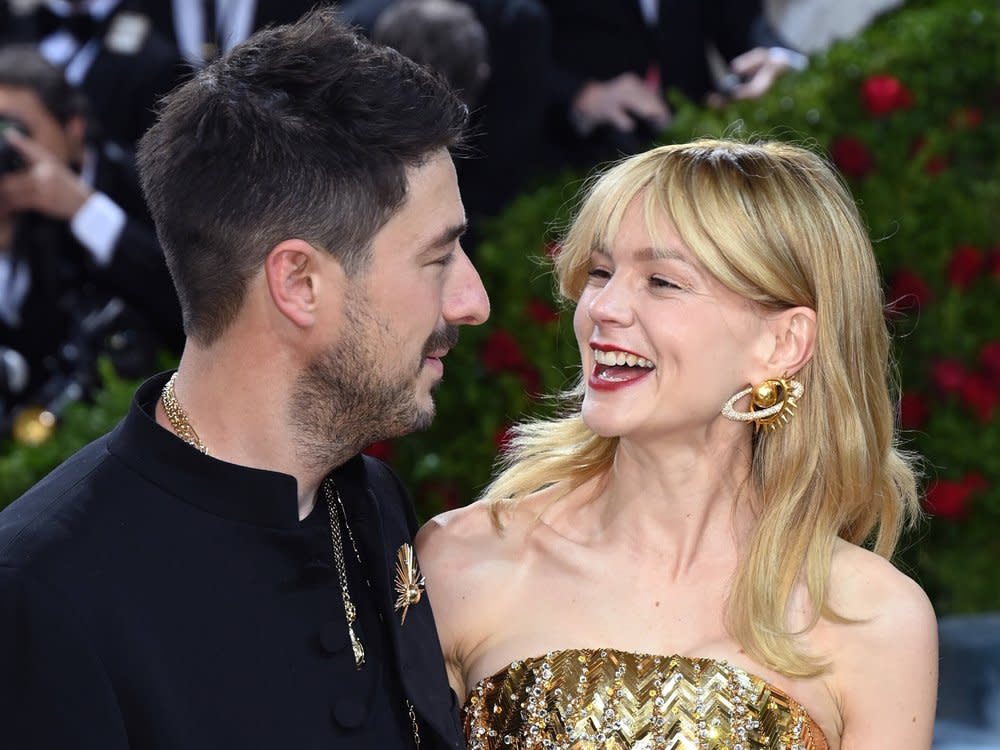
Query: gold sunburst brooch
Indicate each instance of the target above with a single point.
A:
(409, 581)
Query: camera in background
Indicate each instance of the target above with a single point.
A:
(10, 159)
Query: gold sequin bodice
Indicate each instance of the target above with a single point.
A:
(591, 699)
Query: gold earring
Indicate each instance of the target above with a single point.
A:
(771, 402)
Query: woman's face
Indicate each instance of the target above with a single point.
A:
(662, 342)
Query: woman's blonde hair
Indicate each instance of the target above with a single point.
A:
(774, 224)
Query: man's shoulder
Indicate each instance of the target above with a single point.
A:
(47, 520)
(388, 489)
(380, 476)
(369, 486)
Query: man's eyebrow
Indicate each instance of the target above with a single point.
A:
(445, 238)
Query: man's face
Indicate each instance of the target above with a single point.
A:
(401, 316)
(25, 105)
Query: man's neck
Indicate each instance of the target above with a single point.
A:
(239, 412)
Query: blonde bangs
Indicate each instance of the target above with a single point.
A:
(596, 224)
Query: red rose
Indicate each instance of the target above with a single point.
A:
(979, 394)
(949, 499)
(908, 291)
(381, 450)
(935, 163)
(539, 312)
(949, 375)
(913, 411)
(989, 358)
(966, 265)
(502, 352)
(884, 94)
(851, 156)
(995, 263)
(552, 248)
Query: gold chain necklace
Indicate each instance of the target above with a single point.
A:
(181, 425)
(333, 502)
(178, 418)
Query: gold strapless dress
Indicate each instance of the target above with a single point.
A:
(590, 699)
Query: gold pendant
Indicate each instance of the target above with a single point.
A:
(359, 650)
(409, 582)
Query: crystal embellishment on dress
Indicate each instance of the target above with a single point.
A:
(602, 699)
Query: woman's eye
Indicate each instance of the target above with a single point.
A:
(599, 273)
(662, 283)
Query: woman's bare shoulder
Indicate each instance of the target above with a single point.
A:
(456, 537)
(478, 547)
(884, 651)
(469, 562)
(867, 588)
(479, 532)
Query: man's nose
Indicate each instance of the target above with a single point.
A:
(466, 301)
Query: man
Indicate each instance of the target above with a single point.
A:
(110, 51)
(612, 63)
(74, 231)
(224, 569)
(509, 104)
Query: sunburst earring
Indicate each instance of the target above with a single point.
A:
(772, 403)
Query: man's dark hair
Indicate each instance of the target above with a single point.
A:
(303, 131)
(22, 66)
(444, 35)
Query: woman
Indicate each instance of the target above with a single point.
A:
(677, 561)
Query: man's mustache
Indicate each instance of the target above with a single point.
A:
(445, 338)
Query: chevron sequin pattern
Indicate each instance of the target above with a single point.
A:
(616, 700)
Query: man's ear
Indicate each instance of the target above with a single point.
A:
(794, 332)
(297, 274)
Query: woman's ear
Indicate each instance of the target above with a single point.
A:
(794, 333)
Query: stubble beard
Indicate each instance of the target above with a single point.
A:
(354, 395)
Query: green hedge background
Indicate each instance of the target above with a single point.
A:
(910, 113)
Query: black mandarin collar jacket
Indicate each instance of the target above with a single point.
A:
(154, 597)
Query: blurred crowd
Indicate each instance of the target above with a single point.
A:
(551, 84)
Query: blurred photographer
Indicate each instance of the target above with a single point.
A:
(109, 50)
(613, 64)
(74, 233)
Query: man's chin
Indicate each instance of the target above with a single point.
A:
(424, 418)
(418, 421)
